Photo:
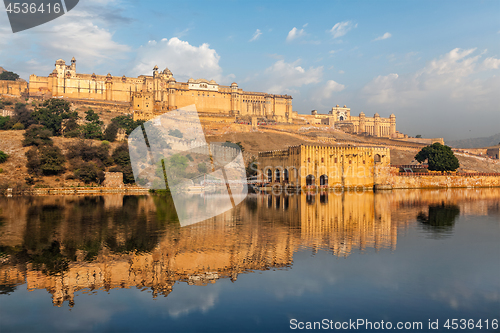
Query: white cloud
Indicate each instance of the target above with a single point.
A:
(341, 28)
(329, 88)
(283, 77)
(183, 59)
(491, 63)
(456, 89)
(384, 36)
(341, 72)
(83, 33)
(256, 35)
(305, 25)
(294, 33)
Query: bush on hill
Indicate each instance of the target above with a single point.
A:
(37, 135)
(9, 76)
(3, 157)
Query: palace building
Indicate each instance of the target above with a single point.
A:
(151, 95)
(340, 118)
(323, 166)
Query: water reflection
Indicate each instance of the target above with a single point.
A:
(70, 244)
(440, 219)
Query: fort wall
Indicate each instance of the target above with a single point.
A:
(14, 88)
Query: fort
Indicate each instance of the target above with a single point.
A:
(340, 118)
(150, 95)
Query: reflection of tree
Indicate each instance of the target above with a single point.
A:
(165, 209)
(55, 234)
(6, 289)
(440, 218)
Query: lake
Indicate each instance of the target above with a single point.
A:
(413, 258)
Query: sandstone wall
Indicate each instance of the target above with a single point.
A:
(405, 182)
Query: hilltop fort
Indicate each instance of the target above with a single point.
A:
(148, 96)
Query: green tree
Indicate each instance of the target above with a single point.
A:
(439, 157)
(111, 132)
(37, 135)
(9, 76)
(23, 115)
(177, 133)
(6, 123)
(202, 167)
(52, 160)
(127, 123)
(418, 136)
(93, 129)
(52, 114)
(121, 158)
(71, 127)
(3, 157)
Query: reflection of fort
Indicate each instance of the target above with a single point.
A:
(105, 243)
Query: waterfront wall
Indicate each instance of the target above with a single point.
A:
(406, 182)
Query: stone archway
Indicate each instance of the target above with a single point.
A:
(323, 180)
(285, 176)
(310, 180)
(269, 176)
(277, 177)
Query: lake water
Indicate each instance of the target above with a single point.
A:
(274, 263)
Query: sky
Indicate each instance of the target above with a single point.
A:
(434, 64)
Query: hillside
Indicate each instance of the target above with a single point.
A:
(2, 70)
(476, 142)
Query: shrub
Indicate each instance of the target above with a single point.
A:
(121, 155)
(37, 135)
(52, 160)
(6, 122)
(86, 152)
(33, 163)
(23, 115)
(176, 132)
(88, 172)
(202, 167)
(18, 126)
(3, 157)
(111, 132)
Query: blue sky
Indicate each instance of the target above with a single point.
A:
(434, 64)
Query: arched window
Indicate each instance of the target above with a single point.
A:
(278, 176)
(285, 175)
(310, 180)
(323, 180)
(377, 158)
(269, 175)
